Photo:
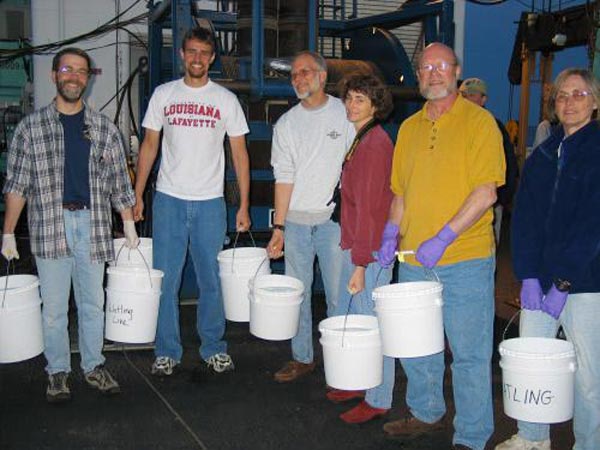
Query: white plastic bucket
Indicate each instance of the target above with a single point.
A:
(130, 316)
(132, 300)
(134, 278)
(538, 379)
(132, 257)
(410, 318)
(275, 306)
(21, 335)
(236, 267)
(352, 354)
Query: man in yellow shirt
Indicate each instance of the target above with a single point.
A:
(448, 162)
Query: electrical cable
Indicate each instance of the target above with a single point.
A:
(8, 55)
(487, 2)
(168, 405)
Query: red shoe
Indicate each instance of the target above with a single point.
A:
(339, 396)
(362, 413)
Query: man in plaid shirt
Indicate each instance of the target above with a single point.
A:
(67, 162)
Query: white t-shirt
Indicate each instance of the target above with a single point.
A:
(309, 146)
(194, 122)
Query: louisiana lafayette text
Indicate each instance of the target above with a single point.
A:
(198, 115)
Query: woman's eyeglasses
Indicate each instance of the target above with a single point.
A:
(577, 96)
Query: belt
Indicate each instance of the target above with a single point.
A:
(75, 206)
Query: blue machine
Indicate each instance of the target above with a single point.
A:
(257, 39)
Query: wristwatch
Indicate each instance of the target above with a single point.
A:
(562, 285)
(277, 226)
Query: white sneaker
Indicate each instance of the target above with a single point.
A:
(163, 366)
(516, 442)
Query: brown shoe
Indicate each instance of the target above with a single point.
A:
(293, 370)
(410, 426)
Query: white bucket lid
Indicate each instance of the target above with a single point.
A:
(407, 289)
(537, 348)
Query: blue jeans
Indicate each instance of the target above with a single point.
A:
(362, 303)
(197, 226)
(579, 320)
(302, 244)
(55, 286)
(468, 314)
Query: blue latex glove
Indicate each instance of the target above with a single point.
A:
(531, 294)
(389, 244)
(430, 251)
(554, 302)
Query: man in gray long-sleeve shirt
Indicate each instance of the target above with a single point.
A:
(309, 145)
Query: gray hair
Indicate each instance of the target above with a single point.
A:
(317, 58)
(588, 77)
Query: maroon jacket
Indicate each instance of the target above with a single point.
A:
(366, 195)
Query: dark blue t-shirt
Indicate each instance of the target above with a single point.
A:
(77, 156)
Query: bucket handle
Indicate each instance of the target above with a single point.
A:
(6, 283)
(253, 280)
(431, 272)
(237, 235)
(509, 323)
(143, 259)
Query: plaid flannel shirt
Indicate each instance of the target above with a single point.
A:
(35, 171)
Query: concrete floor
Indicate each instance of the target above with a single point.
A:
(244, 409)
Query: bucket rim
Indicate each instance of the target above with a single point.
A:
(35, 282)
(228, 253)
(392, 291)
(536, 356)
(352, 319)
(135, 269)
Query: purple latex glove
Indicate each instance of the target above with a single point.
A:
(430, 251)
(531, 294)
(554, 302)
(389, 244)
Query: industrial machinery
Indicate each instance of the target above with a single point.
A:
(257, 40)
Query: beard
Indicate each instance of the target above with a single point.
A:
(196, 72)
(68, 93)
(436, 92)
(313, 87)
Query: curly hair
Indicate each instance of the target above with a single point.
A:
(371, 86)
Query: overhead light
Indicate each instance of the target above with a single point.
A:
(559, 39)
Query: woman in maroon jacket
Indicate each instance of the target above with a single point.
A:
(365, 204)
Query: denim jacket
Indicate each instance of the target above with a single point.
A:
(556, 220)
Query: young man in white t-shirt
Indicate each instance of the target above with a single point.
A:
(189, 211)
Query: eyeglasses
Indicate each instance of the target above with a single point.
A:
(68, 70)
(303, 73)
(442, 67)
(577, 96)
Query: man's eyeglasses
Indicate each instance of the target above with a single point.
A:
(577, 96)
(303, 73)
(68, 70)
(442, 67)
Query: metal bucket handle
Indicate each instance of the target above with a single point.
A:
(237, 235)
(6, 283)
(143, 259)
(509, 323)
